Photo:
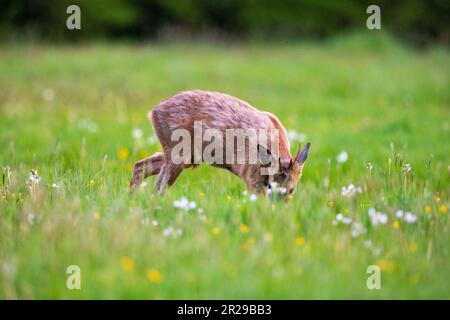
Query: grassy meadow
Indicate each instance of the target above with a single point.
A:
(77, 115)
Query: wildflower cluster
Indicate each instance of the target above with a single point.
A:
(350, 191)
(377, 217)
(357, 227)
(273, 189)
(172, 232)
(408, 217)
(184, 204)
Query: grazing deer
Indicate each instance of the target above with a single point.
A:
(219, 112)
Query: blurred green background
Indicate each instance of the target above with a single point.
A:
(419, 22)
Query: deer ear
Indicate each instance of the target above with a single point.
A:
(264, 154)
(302, 154)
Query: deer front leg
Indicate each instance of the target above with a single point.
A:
(255, 182)
(169, 173)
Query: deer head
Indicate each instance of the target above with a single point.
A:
(291, 170)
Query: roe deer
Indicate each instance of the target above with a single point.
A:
(219, 112)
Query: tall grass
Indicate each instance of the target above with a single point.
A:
(70, 112)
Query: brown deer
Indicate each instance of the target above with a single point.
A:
(220, 112)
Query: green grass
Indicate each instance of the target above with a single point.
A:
(367, 95)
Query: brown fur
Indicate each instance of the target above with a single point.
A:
(219, 111)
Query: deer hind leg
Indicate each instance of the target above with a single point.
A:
(145, 168)
(169, 173)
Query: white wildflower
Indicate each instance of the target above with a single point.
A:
(253, 197)
(358, 229)
(137, 133)
(34, 177)
(340, 218)
(56, 185)
(167, 231)
(369, 166)
(184, 204)
(273, 189)
(410, 218)
(407, 168)
(170, 231)
(200, 210)
(350, 191)
(367, 243)
(377, 217)
(347, 220)
(155, 223)
(342, 157)
(143, 185)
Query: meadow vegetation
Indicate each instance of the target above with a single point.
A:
(77, 116)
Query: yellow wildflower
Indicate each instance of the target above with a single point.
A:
(427, 208)
(436, 198)
(330, 203)
(91, 182)
(123, 153)
(154, 276)
(396, 224)
(202, 194)
(96, 215)
(216, 231)
(443, 208)
(229, 198)
(385, 265)
(127, 264)
(300, 241)
(244, 228)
